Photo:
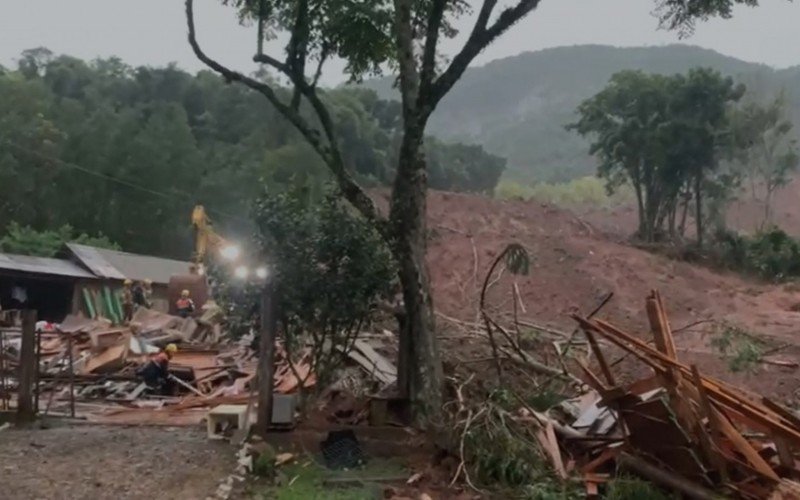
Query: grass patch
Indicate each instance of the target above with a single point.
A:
(308, 479)
(631, 488)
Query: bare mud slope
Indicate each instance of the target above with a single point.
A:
(576, 264)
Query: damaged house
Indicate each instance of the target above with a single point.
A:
(82, 280)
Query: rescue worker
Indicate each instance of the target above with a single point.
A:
(148, 293)
(184, 305)
(138, 295)
(127, 301)
(155, 373)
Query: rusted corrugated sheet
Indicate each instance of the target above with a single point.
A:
(42, 265)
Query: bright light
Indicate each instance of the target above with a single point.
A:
(241, 272)
(230, 252)
(261, 273)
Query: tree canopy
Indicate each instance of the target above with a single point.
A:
(105, 147)
(663, 135)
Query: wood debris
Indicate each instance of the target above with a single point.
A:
(684, 430)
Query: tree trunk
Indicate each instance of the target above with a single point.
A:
(699, 207)
(409, 228)
(767, 206)
(640, 207)
(686, 198)
(266, 358)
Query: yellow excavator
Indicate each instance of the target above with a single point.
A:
(205, 240)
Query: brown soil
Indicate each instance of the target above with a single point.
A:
(575, 263)
(102, 462)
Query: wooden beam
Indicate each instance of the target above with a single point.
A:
(659, 325)
(743, 446)
(665, 478)
(600, 357)
(27, 368)
(716, 391)
(716, 459)
(266, 357)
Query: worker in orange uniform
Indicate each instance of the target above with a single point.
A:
(127, 301)
(155, 373)
(184, 305)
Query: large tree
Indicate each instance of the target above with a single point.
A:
(764, 149)
(661, 134)
(404, 35)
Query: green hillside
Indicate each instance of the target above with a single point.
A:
(517, 107)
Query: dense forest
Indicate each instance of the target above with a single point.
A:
(125, 152)
(517, 107)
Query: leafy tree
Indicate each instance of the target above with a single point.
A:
(664, 136)
(102, 146)
(24, 240)
(765, 149)
(403, 34)
(337, 265)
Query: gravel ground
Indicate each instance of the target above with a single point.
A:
(104, 462)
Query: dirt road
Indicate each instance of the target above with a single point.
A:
(103, 462)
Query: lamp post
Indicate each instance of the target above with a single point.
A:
(265, 372)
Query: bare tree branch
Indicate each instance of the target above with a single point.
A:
(429, 52)
(479, 39)
(323, 57)
(297, 49)
(329, 152)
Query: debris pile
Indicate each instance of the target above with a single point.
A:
(87, 367)
(677, 427)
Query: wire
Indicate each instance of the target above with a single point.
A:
(117, 180)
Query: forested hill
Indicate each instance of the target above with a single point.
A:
(517, 107)
(127, 152)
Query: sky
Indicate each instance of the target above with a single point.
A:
(153, 32)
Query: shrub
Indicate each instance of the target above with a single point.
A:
(25, 240)
(582, 191)
(771, 254)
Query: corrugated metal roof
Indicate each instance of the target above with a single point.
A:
(42, 265)
(112, 264)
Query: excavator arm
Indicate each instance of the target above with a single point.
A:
(205, 238)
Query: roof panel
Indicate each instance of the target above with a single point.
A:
(42, 265)
(113, 264)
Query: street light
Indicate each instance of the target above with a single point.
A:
(262, 273)
(230, 252)
(241, 272)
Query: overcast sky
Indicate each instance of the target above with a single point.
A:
(152, 32)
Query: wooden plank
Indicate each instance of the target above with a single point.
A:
(547, 438)
(593, 381)
(743, 446)
(27, 368)
(784, 413)
(605, 456)
(659, 326)
(716, 459)
(600, 357)
(716, 390)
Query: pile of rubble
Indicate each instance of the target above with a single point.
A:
(677, 427)
(87, 368)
